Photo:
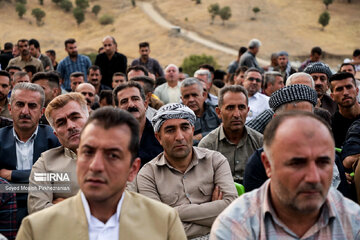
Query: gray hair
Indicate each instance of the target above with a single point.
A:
(31, 87)
(234, 89)
(290, 80)
(172, 65)
(270, 77)
(254, 43)
(203, 72)
(192, 81)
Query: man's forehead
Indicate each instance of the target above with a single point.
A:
(25, 95)
(343, 82)
(175, 122)
(318, 74)
(129, 92)
(253, 74)
(234, 98)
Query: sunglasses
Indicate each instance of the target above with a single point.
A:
(254, 79)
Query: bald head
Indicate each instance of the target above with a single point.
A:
(300, 78)
(88, 91)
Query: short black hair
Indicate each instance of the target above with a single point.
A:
(341, 76)
(8, 46)
(148, 83)
(316, 50)
(109, 117)
(69, 41)
(5, 73)
(30, 68)
(107, 95)
(94, 68)
(347, 64)
(144, 44)
(138, 68)
(356, 52)
(51, 52)
(34, 42)
(12, 67)
(242, 50)
(241, 69)
(53, 78)
(130, 84)
(77, 74)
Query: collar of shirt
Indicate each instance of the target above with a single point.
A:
(33, 136)
(97, 227)
(222, 136)
(196, 156)
(69, 153)
(326, 215)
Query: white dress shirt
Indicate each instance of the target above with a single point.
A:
(257, 103)
(24, 151)
(97, 229)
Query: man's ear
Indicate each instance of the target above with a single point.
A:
(134, 168)
(158, 137)
(266, 162)
(218, 111)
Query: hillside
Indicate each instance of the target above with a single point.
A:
(281, 24)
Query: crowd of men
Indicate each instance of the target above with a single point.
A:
(113, 150)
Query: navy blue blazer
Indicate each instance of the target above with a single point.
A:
(44, 140)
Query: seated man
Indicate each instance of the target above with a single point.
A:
(233, 139)
(197, 182)
(193, 96)
(130, 96)
(104, 165)
(22, 143)
(297, 201)
(67, 115)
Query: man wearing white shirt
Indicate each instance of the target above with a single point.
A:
(103, 209)
(258, 102)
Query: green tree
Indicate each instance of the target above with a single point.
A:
(38, 14)
(21, 1)
(66, 5)
(225, 13)
(191, 64)
(79, 15)
(213, 9)
(41, 2)
(324, 19)
(255, 10)
(57, 2)
(96, 9)
(327, 3)
(20, 9)
(83, 4)
(133, 3)
(106, 19)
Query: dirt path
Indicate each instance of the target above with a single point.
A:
(156, 17)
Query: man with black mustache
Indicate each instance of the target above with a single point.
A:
(22, 144)
(67, 115)
(130, 96)
(4, 91)
(232, 138)
(321, 74)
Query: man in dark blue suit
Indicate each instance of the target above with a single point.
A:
(22, 144)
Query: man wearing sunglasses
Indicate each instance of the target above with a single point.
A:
(257, 102)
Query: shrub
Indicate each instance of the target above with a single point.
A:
(83, 4)
(324, 19)
(66, 5)
(106, 19)
(213, 9)
(79, 15)
(191, 64)
(327, 3)
(38, 14)
(57, 2)
(21, 1)
(96, 9)
(225, 13)
(20, 9)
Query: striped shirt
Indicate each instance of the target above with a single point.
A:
(252, 217)
(67, 67)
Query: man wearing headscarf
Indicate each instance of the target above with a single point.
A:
(197, 182)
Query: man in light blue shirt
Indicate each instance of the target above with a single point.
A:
(73, 63)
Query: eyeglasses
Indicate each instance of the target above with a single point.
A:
(254, 79)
